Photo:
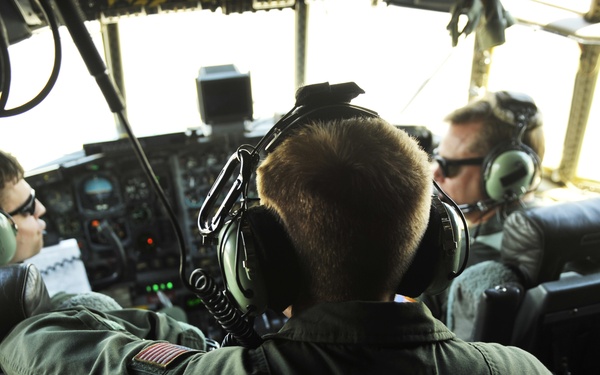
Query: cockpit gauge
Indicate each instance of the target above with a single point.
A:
(58, 200)
(197, 184)
(98, 193)
(136, 188)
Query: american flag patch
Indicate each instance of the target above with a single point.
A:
(162, 354)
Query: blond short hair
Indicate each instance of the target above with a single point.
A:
(494, 130)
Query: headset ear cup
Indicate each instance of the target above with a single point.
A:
(258, 263)
(420, 273)
(239, 268)
(8, 238)
(277, 256)
(510, 170)
(437, 258)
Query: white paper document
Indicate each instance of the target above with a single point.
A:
(62, 268)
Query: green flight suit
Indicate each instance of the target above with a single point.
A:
(330, 338)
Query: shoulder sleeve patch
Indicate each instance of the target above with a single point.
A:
(162, 354)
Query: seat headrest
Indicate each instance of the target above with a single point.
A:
(539, 241)
(22, 294)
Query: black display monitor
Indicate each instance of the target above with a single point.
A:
(224, 95)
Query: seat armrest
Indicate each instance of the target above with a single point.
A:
(497, 312)
(467, 291)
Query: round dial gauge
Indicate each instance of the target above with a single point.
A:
(98, 193)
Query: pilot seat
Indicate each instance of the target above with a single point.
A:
(544, 294)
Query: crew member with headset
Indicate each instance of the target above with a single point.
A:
(21, 228)
(346, 205)
(489, 162)
(22, 289)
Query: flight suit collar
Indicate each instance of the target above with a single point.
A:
(381, 323)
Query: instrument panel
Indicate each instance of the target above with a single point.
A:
(103, 199)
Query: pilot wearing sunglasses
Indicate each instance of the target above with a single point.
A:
(475, 133)
(19, 204)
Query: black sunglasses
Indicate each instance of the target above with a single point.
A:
(26, 208)
(451, 167)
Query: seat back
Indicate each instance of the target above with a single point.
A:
(539, 242)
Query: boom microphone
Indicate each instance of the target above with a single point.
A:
(486, 205)
(468, 208)
(479, 206)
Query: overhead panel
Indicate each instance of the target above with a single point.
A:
(108, 9)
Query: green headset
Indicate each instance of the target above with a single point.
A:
(255, 254)
(511, 169)
(8, 238)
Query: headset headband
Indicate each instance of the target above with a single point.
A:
(311, 102)
(514, 108)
